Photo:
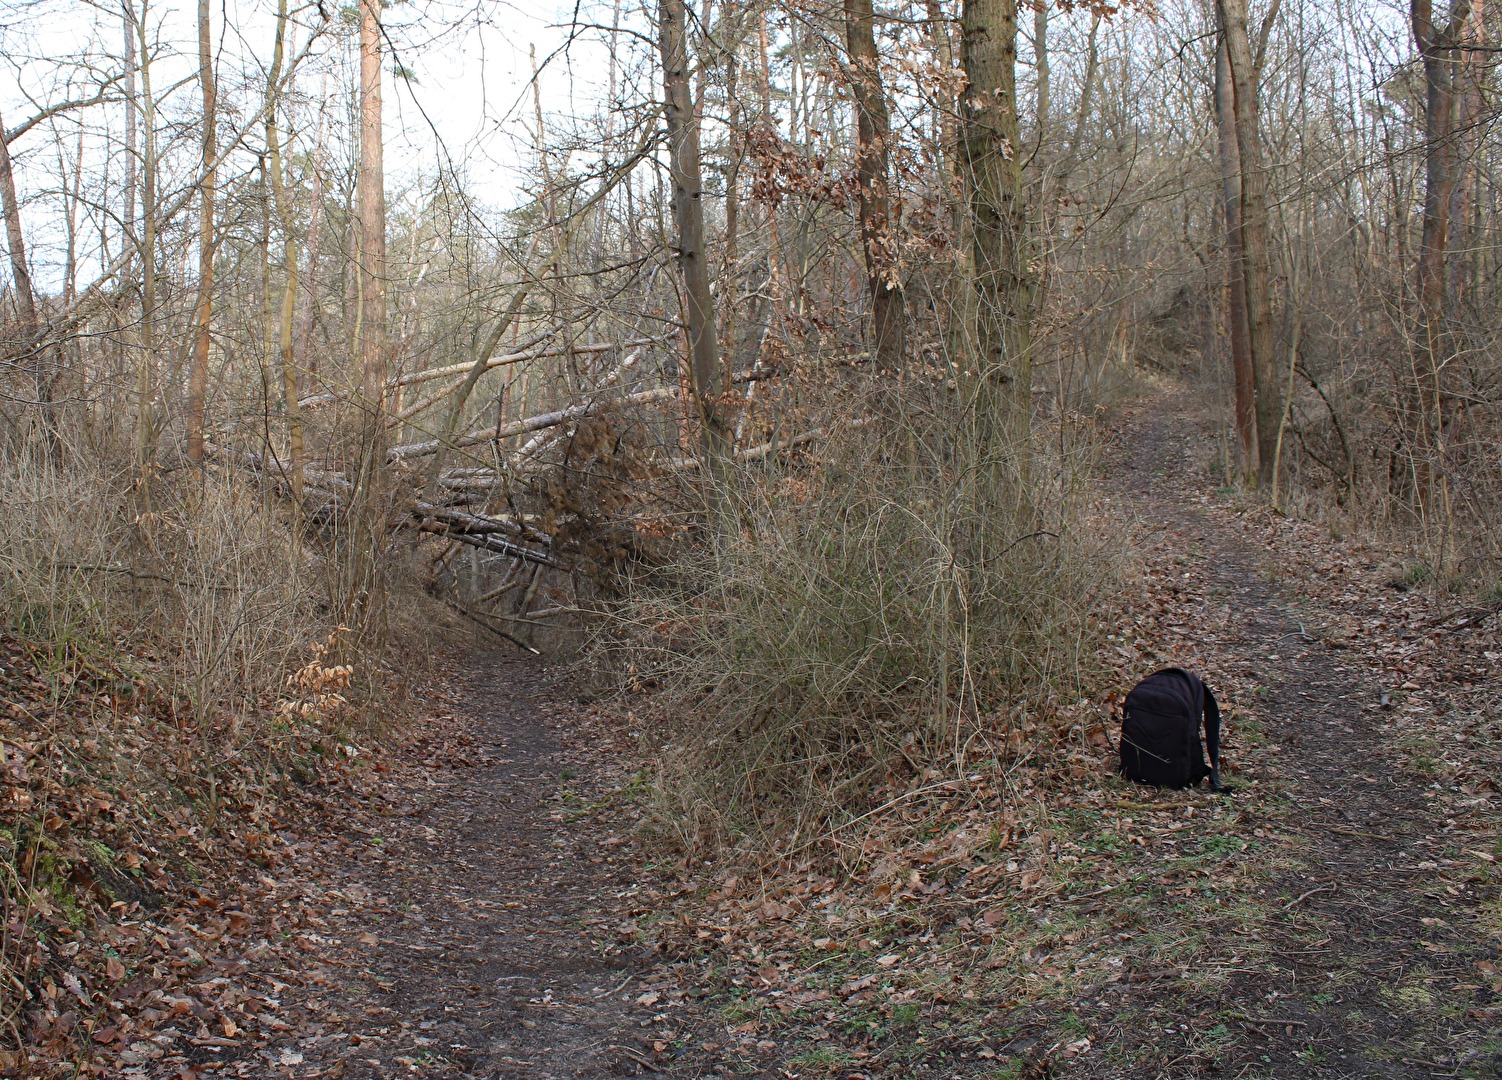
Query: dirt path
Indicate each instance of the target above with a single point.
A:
(484, 928)
(482, 918)
(1358, 954)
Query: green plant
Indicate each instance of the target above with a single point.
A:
(1416, 574)
(906, 1014)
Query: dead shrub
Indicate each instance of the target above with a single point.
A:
(145, 657)
(876, 613)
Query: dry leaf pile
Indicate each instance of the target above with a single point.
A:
(143, 869)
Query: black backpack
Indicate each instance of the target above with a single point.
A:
(1160, 731)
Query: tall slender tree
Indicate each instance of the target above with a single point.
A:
(1244, 378)
(277, 169)
(1252, 252)
(198, 375)
(1440, 48)
(370, 319)
(991, 153)
(873, 173)
(706, 384)
(146, 390)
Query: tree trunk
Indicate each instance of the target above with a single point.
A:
(1003, 282)
(370, 520)
(1244, 376)
(1467, 239)
(878, 229)
(146, 420)
(27, 349)
(688, 219)
(20, 273)
(1438, 48)
(132, 123)
(1253, 255)
(198, 374)
(290, 395)
(304, 358)
(372, 198)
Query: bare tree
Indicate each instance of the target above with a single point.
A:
(1243, 370)
(1440, 48)
(370, 320)
(991, 150)
(873, 173)
(705, 383)
(1251, 250)
(198, 377)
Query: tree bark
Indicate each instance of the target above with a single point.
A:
(1470, 110)
(1253, 254)
(198, 373)
(1243, 372)
(146, 419)
(285, 349)
(1439, 49)
(366, 579)
(873, 172)
(705, 382)
(20, 272)
(372, 200)
(1003, 281)
(302, 357)
(132, 122)
(28, 348)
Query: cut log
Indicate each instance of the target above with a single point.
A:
(765, 450)
(491, 543)
(478, 524)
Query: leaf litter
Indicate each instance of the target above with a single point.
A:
(1034, 914)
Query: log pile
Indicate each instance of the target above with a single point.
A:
(473, 502)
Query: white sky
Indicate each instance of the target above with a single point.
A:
(469, 100)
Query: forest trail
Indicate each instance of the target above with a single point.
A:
(493, 929)
(487, 931)
(1359, 953)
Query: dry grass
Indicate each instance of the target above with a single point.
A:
(145, 657)
(875, 612)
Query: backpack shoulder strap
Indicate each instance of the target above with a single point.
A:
(1212, 740)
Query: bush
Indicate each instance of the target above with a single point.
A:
(871, 615)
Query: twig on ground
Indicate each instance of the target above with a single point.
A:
(1312, 892)
(624, 983)
(1259, 1021)
(634, 1056)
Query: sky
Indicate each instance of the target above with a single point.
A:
(464, 96)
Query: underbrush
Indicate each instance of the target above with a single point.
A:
(173, 681)
(880, 618)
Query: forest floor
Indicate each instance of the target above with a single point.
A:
(489, 909)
